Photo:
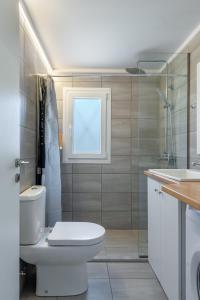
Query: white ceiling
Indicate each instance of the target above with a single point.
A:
(110, 33)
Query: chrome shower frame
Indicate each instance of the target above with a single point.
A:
(169, 148)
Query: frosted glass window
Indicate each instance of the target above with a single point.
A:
(86, 126)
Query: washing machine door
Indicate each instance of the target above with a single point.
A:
(193, 282)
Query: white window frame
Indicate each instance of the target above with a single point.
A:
(104, 94)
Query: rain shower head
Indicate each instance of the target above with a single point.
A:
(135, 71)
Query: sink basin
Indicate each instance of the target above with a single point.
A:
(178, 174)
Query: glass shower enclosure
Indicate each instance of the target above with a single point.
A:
(161, 121)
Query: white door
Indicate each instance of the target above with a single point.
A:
(170, 246)
(9, 150)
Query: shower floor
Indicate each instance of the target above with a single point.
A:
(123, 245)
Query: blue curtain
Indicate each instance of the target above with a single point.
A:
(49, 149)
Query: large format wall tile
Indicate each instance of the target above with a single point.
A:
(116, 201)
(87, 84)
(139, 201)
(66, 168)
(86, 168)
(181, 144)
(27, 143)
(116, 183)
(67, 216)
(119, 164)
(139, 183)
(27, 112)
(140, 163)
(147, 108)
(121, 128)
(67, 202)
(86, 183)
(66, 180)
(180, 121)
(139, 219)
(149, 146)
(121, 91)
(87, 216)
(116, 220)
(121, 109)
(121, 146)
(87, 202)
(30, 65)
(148, 128)
(29, 83)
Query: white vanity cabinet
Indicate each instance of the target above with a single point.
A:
(164, 239)
(154, 222)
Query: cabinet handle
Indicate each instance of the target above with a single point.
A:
(155, 190)
(159, 192)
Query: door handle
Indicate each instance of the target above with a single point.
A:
(19, 162)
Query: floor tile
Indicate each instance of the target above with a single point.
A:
(137, 289)
(99, 289)
(100, 256)
(97, 270)
(29, 293)
(130, 270)
(122, 253)
(119, 245)
(121, 238)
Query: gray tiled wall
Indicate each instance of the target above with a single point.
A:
(194, 59)
(30, 64)
(109, 194)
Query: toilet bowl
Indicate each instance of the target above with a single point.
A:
(59, 253)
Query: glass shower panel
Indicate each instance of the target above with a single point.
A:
(162, 126)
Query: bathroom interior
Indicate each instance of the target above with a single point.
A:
(104, 120)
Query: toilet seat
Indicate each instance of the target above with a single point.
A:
(76, 234)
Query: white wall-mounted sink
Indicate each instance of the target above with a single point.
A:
(178, 174)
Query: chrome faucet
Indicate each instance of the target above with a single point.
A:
(196, 163)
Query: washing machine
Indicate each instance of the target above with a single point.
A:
(192, 254)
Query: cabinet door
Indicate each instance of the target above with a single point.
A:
(154, 207)
(170, 246)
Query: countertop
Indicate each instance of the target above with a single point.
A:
(187, 192)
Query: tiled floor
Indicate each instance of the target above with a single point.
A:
(114, 281)
(123, 245)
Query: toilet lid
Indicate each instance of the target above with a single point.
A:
(76, 233)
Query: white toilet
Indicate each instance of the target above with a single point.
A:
(60, 253)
